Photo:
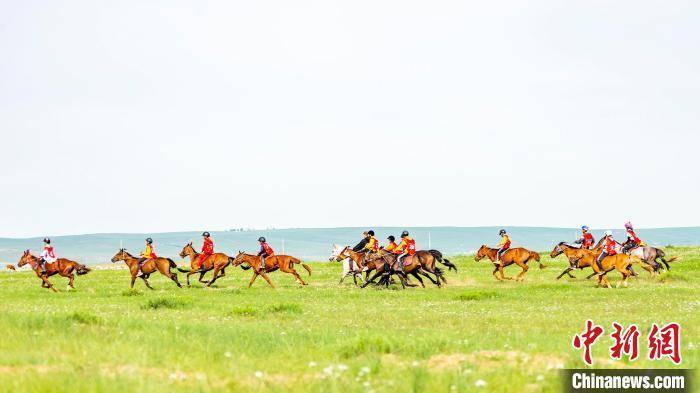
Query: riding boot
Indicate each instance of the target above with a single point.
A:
(43, 268)
(600, 266)
(202, 268)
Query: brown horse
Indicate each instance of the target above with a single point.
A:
(63, 267)
(578, 257)
(217, 262)
(619, 262)
(284, 263)
(518, 256)
(162, 265)
(415, 267)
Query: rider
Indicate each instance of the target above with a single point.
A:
(148, 253)
(503, 245)
(632, 239)
(207, 250)
(265, 251)
(361, 245)
(586, 240)
(47, 255)
(406, 247)
(609, 249)
(372, 243)
(392, 244)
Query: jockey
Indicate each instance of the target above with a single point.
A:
(503, 245)
(632, 239)
(372, 243)
(361, 245)
(586, 240)
(406, 247)
(47, 255)
(392, 244)
(148, 253)
(207, 250)
(609, 248)
(265, 251)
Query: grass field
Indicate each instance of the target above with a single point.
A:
(476, 334)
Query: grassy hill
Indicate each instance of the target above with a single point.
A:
(474, 334)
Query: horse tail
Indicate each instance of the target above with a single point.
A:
(536, 256)
(440, 275)
(438, 256)
(181, 270)
(81, 269)
(172, 263)
(307, 267)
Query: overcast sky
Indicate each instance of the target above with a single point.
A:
(149, 116)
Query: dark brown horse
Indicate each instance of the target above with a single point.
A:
(518, 256)
(162, 265)
(284, 263)
(63, 267)
(411, 265)
(429, 257)
(216, 262)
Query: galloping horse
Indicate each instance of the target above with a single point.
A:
(518, 256)
(217, 261)
(63, 267)
(429, 257)
(619, 262)
(580, 256)
(350, 266)
(284, 263)
(649, 255)
(163, 265)
(414, 266)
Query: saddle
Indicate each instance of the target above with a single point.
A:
(407, 260)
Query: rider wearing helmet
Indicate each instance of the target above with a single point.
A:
(359, 247)
(149, 253)
(372, 243)
(47, 255)
(265, 251)
(632, 239)
(586, 240)
(406, 247)
(609, 249)
(392, 244)
(503, 245)
(207, 251)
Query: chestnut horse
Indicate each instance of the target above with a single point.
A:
(415, 266)
(518, 256)
(582, 257)
(63, 267)
(350, 267)
(162, 265)
(284, 263)
(619, 262)
(217, 262)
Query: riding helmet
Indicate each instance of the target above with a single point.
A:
(404, 233)
(628, 225)
(585, 228)
(47, 240)
(391, 238)
(370, 232)
(206, 234)
(262, 239)
(149, 240)
(502, 232)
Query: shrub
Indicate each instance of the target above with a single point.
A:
(158, 303)
(83, 318)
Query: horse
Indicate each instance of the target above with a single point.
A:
(619, 262)
(284, 263)
(217, 262)
(411, 265)
(162, 265)
(578, 257)
(350, 267)
(63, 267)
(649, 255)
(519, 256)
(430, 256)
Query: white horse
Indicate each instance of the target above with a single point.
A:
(349, 266)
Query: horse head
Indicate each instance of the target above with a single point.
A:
(187, 250)
(557, 250)
(483, 252)
(25, 259)
(121, 255)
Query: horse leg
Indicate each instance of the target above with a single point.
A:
(425, 274)
(566, 271)
(71, 280)
(144, 277)
(173, 276)
(371, 280)
(223, 272)
(216, 277)
(201, 277)
(420, 280)
(494, 274)
(521, 276)
(264, 275)
(500, 270)
(289, 269)
(133, 280)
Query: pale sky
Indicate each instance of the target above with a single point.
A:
(151, 116)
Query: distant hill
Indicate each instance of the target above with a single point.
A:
(316, 243)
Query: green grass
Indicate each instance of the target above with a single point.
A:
(325, 337)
